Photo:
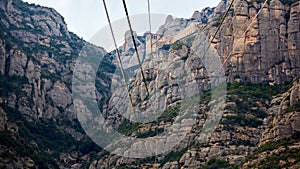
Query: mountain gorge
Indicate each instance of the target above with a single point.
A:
(259, 127)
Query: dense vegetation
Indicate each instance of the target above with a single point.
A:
(273, 161)
(173, 156)
(177, 45)
(218, 164)
(246, 96)
(279, 159)
(288, 2)
(49, 138)
(128, 128)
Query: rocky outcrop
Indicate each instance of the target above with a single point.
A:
(252, 58)
(172, 26)
(37, 56)
(204, 16)
(263, 48)
(280, 138)
(286, 119)
(256, 49)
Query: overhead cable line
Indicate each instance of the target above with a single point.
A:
(238, 10)
(250, 24)
(150, 32)
(152, 60)
(238, 43)
(219, 27)
(150, 27)
(264, 4)
(223, 18)
(118, 53)
(135, 46)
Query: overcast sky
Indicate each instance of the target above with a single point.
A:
(86, 17)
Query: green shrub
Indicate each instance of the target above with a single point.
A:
(242, 121)
(217, 164)
(127, 128)
(272, 145)
(273, 161)
(48, 135)
(166, 47)
(12, 84)
(169, 114)
(288, 2)
(173, 156)
(205, 96)
(177, 45)
(294, 107)
(150, 133)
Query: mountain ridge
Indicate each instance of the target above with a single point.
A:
(39, 127)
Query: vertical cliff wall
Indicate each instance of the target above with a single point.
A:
(269, 49)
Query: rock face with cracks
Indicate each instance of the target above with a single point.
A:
(37, 118)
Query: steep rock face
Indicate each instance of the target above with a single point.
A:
(128, 54)
(287, 118)
(172, 26)
(37, 57)
(34, 29)
(249, 122)
(203, 16)
(253, 58)
(38, 52)
(280, 143)
(263, 48)
(256, 49)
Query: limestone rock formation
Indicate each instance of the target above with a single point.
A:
(34, 66)
(286, 120)
(263, 49)
(280, 138)
(172, 26)
(37, 118)
(252, 58)
(203, 16)
(37, 57)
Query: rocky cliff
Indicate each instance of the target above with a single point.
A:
(263, 48)
(259, 127)
(38, 124)
(26, 31)
(279, 143)
(246, 43)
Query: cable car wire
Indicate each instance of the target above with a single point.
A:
(135, 46)
(250, 24)
(218, 29)
(118, 53)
